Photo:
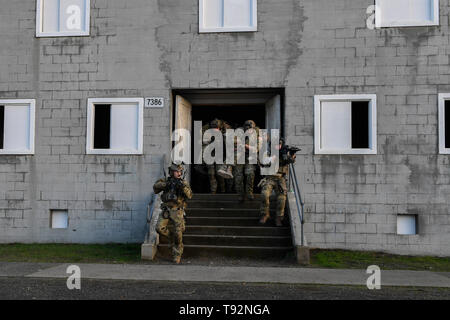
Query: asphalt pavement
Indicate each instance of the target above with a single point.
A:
(55, 289)
(198, 282)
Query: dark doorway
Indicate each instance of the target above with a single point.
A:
(234, 115)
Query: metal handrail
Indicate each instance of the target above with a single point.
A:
(293, 183)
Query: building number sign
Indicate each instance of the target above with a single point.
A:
(154, 102)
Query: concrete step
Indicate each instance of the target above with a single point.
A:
(222, 240)
(239, 230)
(221, 225)
(229, 221)
(192, 204)
(221, 197)
(228, 251)
(223, 212)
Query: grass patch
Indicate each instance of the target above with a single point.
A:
(131, 253)
(345, 259)
(82, 253)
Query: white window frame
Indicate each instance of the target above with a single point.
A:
(90, 126)
(380, 23)
(318, 99)
(442, 98)
(39, 23)
(253, 27)
(32, 105)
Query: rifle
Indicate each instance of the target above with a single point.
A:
(290, 150)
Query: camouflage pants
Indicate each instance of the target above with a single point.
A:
(216, 181)
(172, 227)
(239, 171)
(277, 184)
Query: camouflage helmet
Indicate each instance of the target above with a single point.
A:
(249, 124)
(176, 167)
(214, 124)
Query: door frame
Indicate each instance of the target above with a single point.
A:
(198, 97)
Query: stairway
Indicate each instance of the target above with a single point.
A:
(220, 225)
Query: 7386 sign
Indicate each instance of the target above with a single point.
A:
(154, 102)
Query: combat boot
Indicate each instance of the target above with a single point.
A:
(264, 219)
(278, 221)
(177, 260)
(226, 172)
(250, 196)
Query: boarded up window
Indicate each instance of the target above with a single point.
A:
(116, 126)
(345, 124)
(124, 126)
(407, 224)
(62, 18)
(16, 127)
(336, 125)
(59, 219)
(227, 15)
(403, 13)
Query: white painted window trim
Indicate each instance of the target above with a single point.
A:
(380, 23)
(90, 126)
(442, 98)
(372, 98)
(253, 27)
(39, 23)
(32, 105)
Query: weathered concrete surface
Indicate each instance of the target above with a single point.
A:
(19, 269)
(246, 274)
(303, 255)
(150, 246)
(147, 48)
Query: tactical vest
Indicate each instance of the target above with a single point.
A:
(173, 196)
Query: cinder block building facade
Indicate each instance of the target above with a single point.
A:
(362, 89)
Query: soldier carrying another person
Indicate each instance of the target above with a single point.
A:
(220, 175)
(248, 169)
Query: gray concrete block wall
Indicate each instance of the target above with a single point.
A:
(105, 196)
(147, 48)
(353, 201)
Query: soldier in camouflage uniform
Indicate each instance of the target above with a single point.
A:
(248, 170)
(176, 192)
(216, 180)
(276, 183)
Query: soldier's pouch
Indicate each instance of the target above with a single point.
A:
(282, 187)
(249, 169)
(166, 214)
(262, 182)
